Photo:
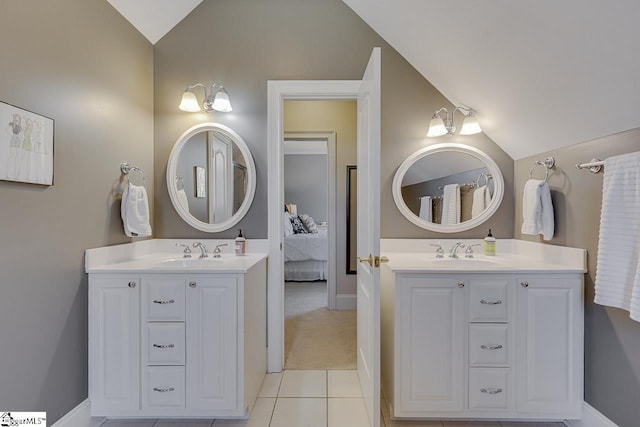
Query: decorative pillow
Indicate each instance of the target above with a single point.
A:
(298, 228)
(288, 228)
(309, 223)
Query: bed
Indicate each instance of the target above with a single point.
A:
(305, 257)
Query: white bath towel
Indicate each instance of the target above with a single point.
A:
(537, 209)
(618, 262)
(183, 199)
(425, 208)
(451, 204)
(134, 210)
(481, 200)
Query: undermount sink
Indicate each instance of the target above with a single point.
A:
(189, 262)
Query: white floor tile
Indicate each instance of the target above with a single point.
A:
(183, 423)
(303, 384)
(260, 415)
(270, 385)
(347, 412)
(307, 412)
(129, 423)
(343, 384)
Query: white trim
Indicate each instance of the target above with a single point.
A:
(591, 417)
(277, 92)
(80, 416)
(346, 302)
(305, 147)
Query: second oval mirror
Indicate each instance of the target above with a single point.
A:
(448, 187)
(211, 177)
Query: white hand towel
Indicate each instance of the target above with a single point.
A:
(134, 210)
(451, 204)
(183, 199)
(481, 200)
(618, 262)
(425, 208)
(537, 209)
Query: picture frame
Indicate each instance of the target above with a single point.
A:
(26, 146)
(352, 207)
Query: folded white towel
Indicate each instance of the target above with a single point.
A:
(134, 210)
(425, 208)
(481, 200)
(183, 199)
(451, 204)
(537, 209)
(618, 262)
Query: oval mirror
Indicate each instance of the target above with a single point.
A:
(448, 187)
(211, 177)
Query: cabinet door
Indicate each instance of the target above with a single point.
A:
(550, 346)
(431, 323)
(114, 345)
(212, 348)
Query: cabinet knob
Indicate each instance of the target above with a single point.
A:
(192, 284)
(132, 284)
(524, 284)
(461, 284)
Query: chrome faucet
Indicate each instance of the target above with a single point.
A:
(203, 249)
(216, 251)
(469, 252)
(454, 250)
(187, 252)
(439, 251)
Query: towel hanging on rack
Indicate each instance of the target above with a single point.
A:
(618, 263)
(537, 209)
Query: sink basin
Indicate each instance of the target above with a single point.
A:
(190, 262)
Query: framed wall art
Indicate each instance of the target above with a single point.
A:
(26, 146)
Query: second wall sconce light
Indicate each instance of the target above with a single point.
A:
(217, 99)
(439, 127)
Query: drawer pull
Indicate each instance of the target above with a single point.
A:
(491, 347)
(482, 301)
(164, 345)
(524, 284)
(163, 390)
(491, 390)
(158, 301)
(132, 284)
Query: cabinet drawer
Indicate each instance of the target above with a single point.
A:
(165, 387)
(488, 389)
(165, 299)
(165, 343)
(488, 344)
(488, 300)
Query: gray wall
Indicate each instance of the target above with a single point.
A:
(612, 339)
(306, 184)
(80, 63)
(244, 43)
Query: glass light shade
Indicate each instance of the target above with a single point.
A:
(221, 101)
(436, 127)
(470, 125)
(189, 102)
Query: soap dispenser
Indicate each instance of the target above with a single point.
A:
(240, 244)
(489, 244)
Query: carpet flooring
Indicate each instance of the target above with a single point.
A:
(316, 338)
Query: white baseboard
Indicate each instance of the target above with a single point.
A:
(591, 418)
(346, 302)
(80, 416)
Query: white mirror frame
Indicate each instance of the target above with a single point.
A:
(493, 168)
(172, 169)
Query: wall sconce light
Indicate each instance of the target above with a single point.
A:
(439, 127)
(217, 99)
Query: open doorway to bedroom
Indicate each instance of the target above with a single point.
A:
(320, 140)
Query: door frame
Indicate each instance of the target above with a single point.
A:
(277, 92)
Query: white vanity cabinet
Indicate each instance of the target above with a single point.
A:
(176, 345)
(482, 345)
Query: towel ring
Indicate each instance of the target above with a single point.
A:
(126, 169)
(548, 163)
(486, 177)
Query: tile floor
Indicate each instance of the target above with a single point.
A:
(312, 398)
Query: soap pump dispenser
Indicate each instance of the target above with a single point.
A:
(240, 244)
(489, 244)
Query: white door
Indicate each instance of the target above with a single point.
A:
(368, 218)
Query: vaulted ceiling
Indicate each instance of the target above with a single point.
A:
(541, 74)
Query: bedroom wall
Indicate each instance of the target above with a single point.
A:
(612, 339)
(306, 183)
(82, 64)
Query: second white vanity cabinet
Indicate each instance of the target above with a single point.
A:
(176, 345)
(482, 345)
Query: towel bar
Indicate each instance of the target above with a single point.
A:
(594, 166)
